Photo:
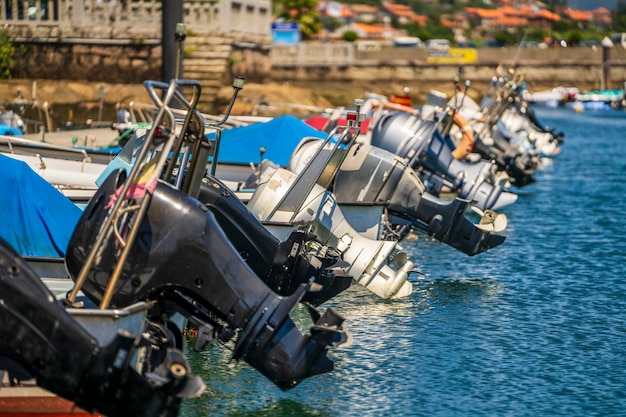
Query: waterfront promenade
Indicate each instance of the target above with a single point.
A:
(118, 42)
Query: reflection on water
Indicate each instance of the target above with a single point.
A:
(282, 407)
(471, 290)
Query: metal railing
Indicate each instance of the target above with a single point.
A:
(315, 54)
(117, 15)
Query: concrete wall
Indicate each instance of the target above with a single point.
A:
(541, 68)
(112, 63)
(214, 59)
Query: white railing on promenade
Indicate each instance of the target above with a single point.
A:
(313, 54)
(116, 16)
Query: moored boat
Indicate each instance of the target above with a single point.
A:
(554, 97)
(599, 100)
(109, 366)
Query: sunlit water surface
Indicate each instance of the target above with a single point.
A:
(535, 327)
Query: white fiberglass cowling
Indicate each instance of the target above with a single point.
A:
(370, 260)
(430, 154)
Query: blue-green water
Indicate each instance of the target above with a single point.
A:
(535, 327)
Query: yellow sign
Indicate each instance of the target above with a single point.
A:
(455, 56)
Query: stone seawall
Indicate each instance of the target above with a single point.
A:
(105, 63)
(541, 68)
(216, 58)
(85, 68)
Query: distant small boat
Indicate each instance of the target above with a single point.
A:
(554, 97)
(602, 100)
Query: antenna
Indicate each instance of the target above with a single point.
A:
(179, 35)
(519, 49)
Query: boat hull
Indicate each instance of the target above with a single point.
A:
(30, 400)
(25, 398)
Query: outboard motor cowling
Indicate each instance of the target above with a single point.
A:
(369, 260)
(39, 336)
(181, 251)
(498, 150)
(430, 154)
(276, 262)
(375, 176)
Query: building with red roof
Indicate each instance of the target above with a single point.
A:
(602, 18)
(403, 13)
(506, 22)
(580, 17)
(365, 12)
(543, 19)
(482, 17)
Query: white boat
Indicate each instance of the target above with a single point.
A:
(72, 171)
(554, 97)
(42, 336)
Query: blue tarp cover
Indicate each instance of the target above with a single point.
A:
(279, 137)
(35, 218)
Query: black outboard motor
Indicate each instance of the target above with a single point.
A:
(525, 108)
(496, 148)
(181, 252)
(273, 261)
(40, 339)
(430, 154)
(374, 175)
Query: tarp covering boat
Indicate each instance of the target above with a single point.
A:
(35, 218)
(278, 136)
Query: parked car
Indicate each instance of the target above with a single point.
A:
(590, 43)
(407, 41)
(492, 43)
(619, 39)
(529, 44)
(562, 43)
(438, 46)
(368, 46)
(466, 44)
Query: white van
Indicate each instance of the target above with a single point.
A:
(438, 46)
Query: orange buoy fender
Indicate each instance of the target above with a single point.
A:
(467, 137)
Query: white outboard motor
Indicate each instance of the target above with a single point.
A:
(282, 205)
(430, 154)
(383, 198)
(541, 142)
(285, 200)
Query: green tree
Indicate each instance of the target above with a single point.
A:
(503, 38)
(574, 37)
(7, 55)
(437, 30)
(535, 34)
(301, 11)
(563, 26)
(413, 29)
(350, 36)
